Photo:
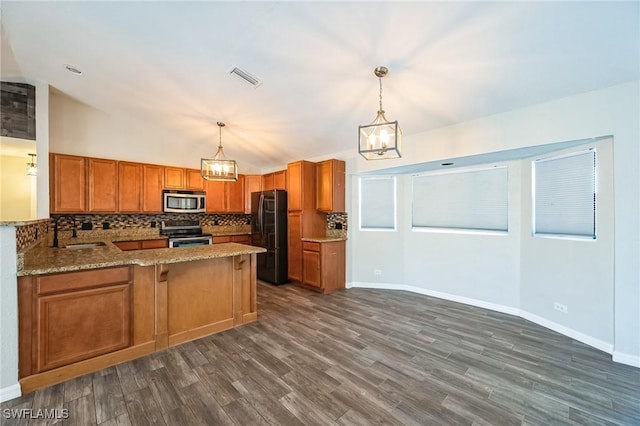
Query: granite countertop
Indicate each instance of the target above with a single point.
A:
(43, 259)
(324, 239)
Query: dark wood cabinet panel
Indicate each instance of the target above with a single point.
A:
(235, 196)
(324, 265)
(152, 180)
(311, 268)
(280, 180)
(82, 324)
(103, 185)
(174, 177)
(268, 182)
(252, 183)
(330, 179)
(242, 239)
(216, 196)
(129, 187)
(68, 183)
(194, 180)
(154, 244)
(295, 246)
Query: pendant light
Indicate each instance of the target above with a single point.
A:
(218, 167)
(382, 139)
(32, 167)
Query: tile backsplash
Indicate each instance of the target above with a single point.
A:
(27, 235)
(124, 221)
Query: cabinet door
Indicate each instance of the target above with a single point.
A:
(152, 176)
(295, 246)
(127, 245)
(252, 183)
(221, 239)
(216, 197)
(68, 182)
(330, 179)
(242, 239)
(280, 180)
(129, 187)
(82, 324)
(311, 268)
(194, 180)
(103, 185)
(294, 185)
(268, 182)
(174, 178)
(235, 195)
(323, 186)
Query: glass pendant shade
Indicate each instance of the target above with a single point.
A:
(218, 167)
(382, 139)
(32, 167)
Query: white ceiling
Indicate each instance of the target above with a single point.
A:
(167, 63)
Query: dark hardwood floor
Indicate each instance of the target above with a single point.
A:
(358, 357)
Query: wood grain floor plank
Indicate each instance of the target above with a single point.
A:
(360, 356)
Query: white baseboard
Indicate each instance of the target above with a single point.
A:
(623, 358)
(10, 392)
(569, 332)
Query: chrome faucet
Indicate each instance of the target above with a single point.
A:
(55, 228)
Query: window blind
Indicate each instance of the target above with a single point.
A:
(378, 203)
(475, 199)
(565, 194)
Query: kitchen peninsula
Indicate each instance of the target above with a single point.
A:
(83, 309)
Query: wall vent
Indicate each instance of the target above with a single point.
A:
(245, 76)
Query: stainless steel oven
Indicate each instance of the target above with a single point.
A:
(190, 241)
(184, 201)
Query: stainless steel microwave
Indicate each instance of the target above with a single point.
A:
(184, 201)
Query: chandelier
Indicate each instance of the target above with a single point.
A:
(218, 167)
(382, 138)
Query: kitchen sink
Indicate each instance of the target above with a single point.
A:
(84, 245)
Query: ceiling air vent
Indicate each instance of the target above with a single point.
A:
(245, 76)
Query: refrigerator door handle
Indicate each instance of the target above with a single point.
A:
(260, 212)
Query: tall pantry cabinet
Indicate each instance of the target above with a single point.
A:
(304, 221)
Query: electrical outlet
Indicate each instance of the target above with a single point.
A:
(377, 272)
(560, 307)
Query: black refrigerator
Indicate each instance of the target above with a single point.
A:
(269, 230)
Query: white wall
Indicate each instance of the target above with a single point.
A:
(9, 387)
(15, 188)
(576, 273)
(612, 111)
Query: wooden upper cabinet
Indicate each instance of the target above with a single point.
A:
(174, 178)
(280, 180)
(330, 176)
(252, 183)
(68, 183)
(152, 184)
(268, 182)
(216, 196)
(103, 185)
(301, 177)
(194, 180)
(129, 187)
(235, 196)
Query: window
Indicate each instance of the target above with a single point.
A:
(378, 203)
(564, 191)
(471, 199)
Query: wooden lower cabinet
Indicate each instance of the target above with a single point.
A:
(323, 267)
(75, 323)
(70, 317)
(294, 251)
(142, 244)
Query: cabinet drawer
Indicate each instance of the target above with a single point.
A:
(127, 245)
(83, 279)
(152, 244)
(310, 246)
(243, 239)
(221, 239)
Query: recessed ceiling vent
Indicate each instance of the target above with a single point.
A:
(245, 76)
